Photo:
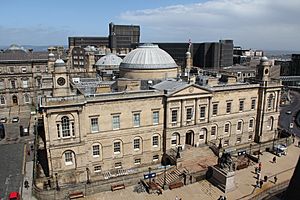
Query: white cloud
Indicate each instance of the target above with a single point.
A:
(265, 24)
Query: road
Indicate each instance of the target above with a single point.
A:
(286, 119)
(11, 168)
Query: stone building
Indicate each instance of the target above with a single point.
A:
(100, 136)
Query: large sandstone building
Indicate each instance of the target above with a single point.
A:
(128, 130)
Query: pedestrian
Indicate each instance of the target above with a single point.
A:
(221, 198)
(257, 183)
(293, 140)
(274, 159)
(258, 176)
(26, 184)
(28, 152)
(265, 178)
(298, 143)
(259, 166)
(261, 182)
(275, 179)
(176, 198)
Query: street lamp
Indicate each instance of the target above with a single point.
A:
(87, 176)
(149, 175)
(57, 186)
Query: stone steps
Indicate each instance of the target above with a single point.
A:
(171, 176)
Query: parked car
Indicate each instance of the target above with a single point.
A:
(15, 119)
(14, 196)
(3, 119)
(279, 149)
(288, 112)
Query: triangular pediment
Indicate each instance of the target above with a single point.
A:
(190, 90)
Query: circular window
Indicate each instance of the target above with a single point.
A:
(61, 81)
(266, 71)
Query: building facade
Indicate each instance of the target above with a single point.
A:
(102, 135)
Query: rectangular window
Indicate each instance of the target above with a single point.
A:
(24, 69)
(118, 165)
(251, 122)
(213, 130)
(226, 142)
(228, 107)
(155, 157)
(253, 102)
(241, 108)
(189, 114)
(12, 70)
(239, 126)
(136, 144)
(202, 112)
(155, 141)
(136, 119)
(96, 150)
(13, 84)
(215, 109)
(25, 84)
(38, 69)
(238, 140)
(250, 137)
(97, 169)
(68, 158)
(137, 161)
(117, 147)
(116, 122)
(174, 116)
(155, 116)
(94, 125)
(226, 129)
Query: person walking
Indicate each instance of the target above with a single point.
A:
(259, 166)
(275, 179)
(274, 159)
(257, 184)
(261, 182)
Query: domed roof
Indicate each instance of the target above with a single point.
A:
(264, 59)
(148, 56)
(50, 55)
(59, 62)
(109, 60)
(15, 47)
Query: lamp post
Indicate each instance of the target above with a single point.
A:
(57, 186)
(87, 176)
(149, 175)
(250, 149)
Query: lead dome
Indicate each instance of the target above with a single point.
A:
(148, 61)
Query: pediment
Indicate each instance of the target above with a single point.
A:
(190, 90)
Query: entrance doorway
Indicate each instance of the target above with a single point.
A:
(189, 138)
(15, 100)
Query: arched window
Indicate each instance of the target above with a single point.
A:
(69, 157)
(270, 101)
(251, 124)
(137, 143)
(2, 100)
(270, 123)
(96, 150)
(214, 132)
(65, 125)
(26, 98)
(175, 139)
(227, 128)
(239, 127)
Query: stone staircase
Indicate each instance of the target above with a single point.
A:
(172, 176)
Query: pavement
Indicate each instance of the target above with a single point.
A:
(245, 180)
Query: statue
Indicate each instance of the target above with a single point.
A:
(225, 162)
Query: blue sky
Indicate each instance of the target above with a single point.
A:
(257, 24)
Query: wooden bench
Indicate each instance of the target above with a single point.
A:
(175, 185)
(117, 187)
(76, 195)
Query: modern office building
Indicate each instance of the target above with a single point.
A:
(226, 53)
(123, 36)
